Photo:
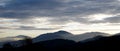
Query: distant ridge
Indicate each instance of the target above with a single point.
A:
(15, 40)
(50, 36)
(87, 35)
(66, 35)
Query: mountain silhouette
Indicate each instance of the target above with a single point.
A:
(50, 36)
(102, 43)
(15, 40)
(22, 36)
(92, 39)
(66, 35)
(88, 35)
(98, 41)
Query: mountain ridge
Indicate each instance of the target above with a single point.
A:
(87, 35)
(55, 35)
(66, 35)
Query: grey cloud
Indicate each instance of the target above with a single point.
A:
(27, 8)
(34, 28)
(29, 28)
(5, 27)
(27, 21)
(57, 9)
(2, 2)
(24, 8)
(1, 32)
(115, 19)
(65, 20)
(97, 21)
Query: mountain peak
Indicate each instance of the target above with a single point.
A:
(22, 36)
(62, 32)
(55, 35)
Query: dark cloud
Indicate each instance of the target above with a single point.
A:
(5, 27)
(27, 8)
(97, 21)
(34, 28)
(76, 10)
(29, 28)
(115, 19)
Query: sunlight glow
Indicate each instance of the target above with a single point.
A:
(99, 16)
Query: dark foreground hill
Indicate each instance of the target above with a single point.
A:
(100, 43)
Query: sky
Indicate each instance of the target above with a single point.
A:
(35, 17)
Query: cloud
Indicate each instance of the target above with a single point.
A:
(23, 9)
(1, 32)
(34, 28)
(5, 28)
(59, 11)
(2, 2)
(115, 19)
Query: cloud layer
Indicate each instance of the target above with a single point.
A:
(58, 8)
(56, 12)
